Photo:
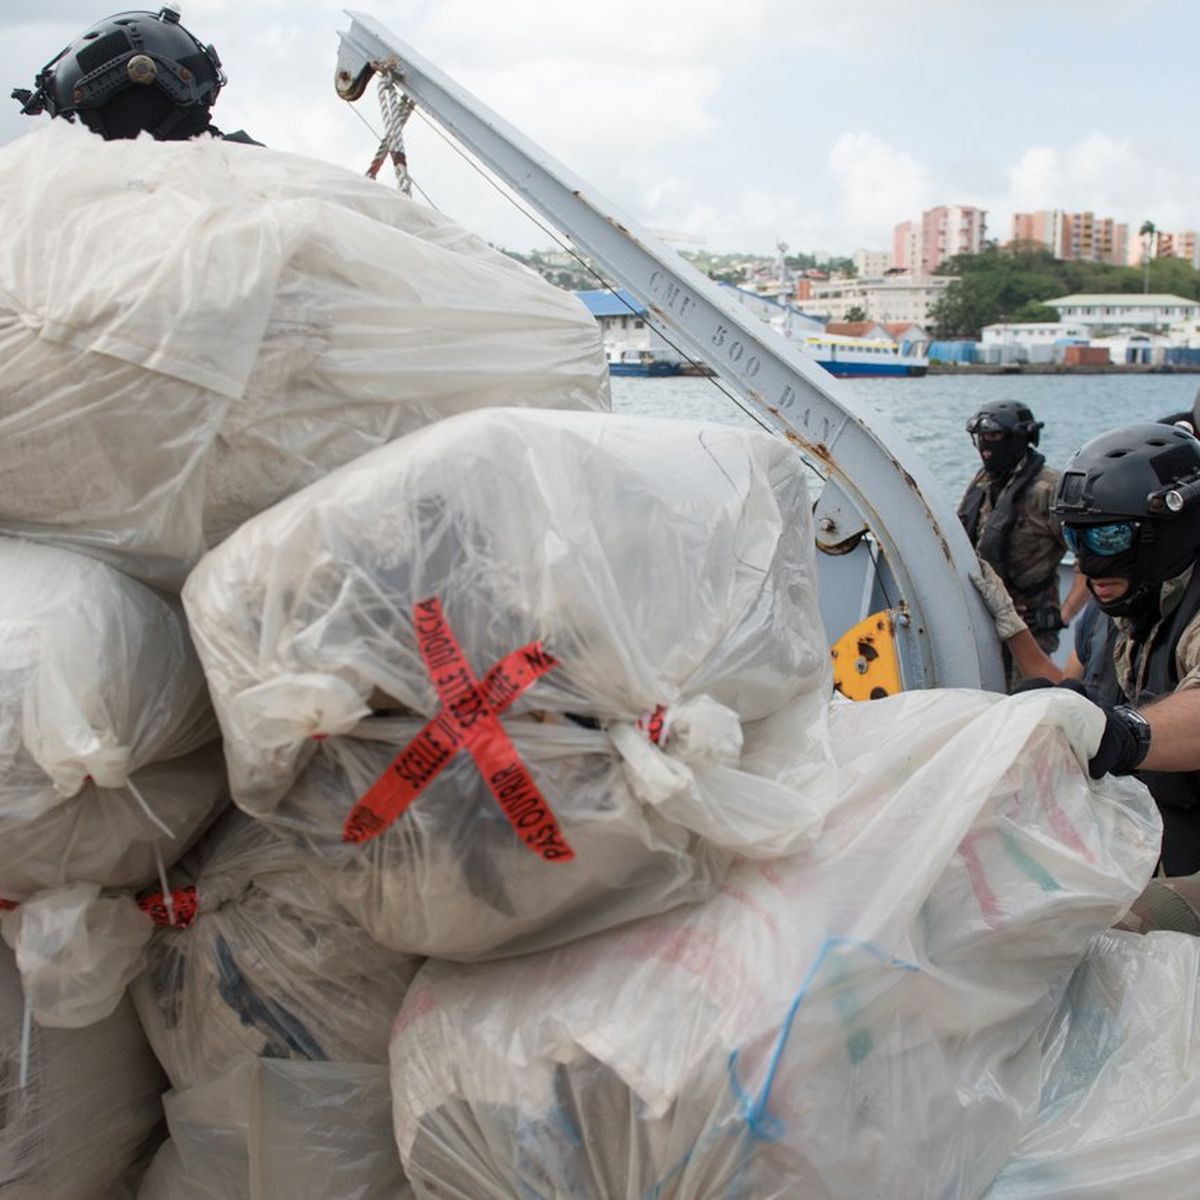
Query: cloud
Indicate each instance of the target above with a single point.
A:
(878, 185)
(1034, 181)
(666, 107)
(745, 217)
(630, 31)
(655, 109)
(1121, 177)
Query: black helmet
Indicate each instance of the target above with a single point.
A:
(1146, 475)
(133, 71)
(1189, 421)
(1006, 416)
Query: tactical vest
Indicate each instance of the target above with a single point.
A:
(992, 541)
(1177, 793)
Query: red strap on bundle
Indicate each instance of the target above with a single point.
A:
(653, 724)
(185, 902)
(468, 720)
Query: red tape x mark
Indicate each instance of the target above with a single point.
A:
(469, 719)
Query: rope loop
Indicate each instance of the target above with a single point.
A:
(396, 109)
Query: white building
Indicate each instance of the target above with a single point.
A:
(1030, 341)
(1148, 349)
(869, 264)
(883, 298)
(1186, 333)
(1125, 310)
(628, 336)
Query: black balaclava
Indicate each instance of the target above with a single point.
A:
(1117, 566)
(1140, 603)
(1003, 455)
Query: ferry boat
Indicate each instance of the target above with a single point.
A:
(846, 356)
(841, 353)
(639, 362)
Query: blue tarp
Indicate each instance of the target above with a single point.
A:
(955, 352)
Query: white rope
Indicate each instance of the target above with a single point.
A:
(26, 1043)
(168, 899)
(147, 809)
(396, 110)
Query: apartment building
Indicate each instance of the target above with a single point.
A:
(1178, 245)
(921, 245)
(871, 263)
(1079, 235)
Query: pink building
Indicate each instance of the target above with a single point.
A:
(921, 246)
(1080, 235)
(1044, 228)
(1178, 245)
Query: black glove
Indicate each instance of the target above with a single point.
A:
(1126, 738)
(1033, 684)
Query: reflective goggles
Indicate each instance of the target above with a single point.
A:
(1102, 540)
(985, 423)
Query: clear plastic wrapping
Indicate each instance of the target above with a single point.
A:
(856, 1020)
(190, 331)
(617, 614)
(1120, 1099)
(276, 1130)
(89, 1104)
(266, 965)
(108, 756)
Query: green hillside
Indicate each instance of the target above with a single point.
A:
(1011, 284)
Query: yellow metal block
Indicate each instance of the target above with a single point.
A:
(866, 665)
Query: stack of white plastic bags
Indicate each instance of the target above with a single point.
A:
(109, 769)
(543, 695)
(859, 1019)
(190, 331)
(635, 598)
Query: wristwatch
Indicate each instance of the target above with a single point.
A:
(1140, 728)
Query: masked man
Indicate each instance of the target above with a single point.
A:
(1006, 511)
(1129, 501)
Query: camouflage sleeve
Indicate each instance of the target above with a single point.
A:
(1187, 656)
(1041, 496)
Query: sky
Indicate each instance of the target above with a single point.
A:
(739, 124)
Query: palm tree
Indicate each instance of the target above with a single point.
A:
(1146, 233)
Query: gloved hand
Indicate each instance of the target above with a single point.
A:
(999, 603)
(1125, 740)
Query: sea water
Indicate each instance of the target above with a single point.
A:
(931, 411)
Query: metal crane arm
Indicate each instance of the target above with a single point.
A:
(875, 478)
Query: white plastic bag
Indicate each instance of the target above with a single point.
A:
(90, 1102)
(1120, 1102)
(108, 759)
(635, 601)
(266, 965)
(857, 1020)
(277, 1130)
(76, 950)
(190, 331)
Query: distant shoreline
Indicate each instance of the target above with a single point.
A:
(1062, 369)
